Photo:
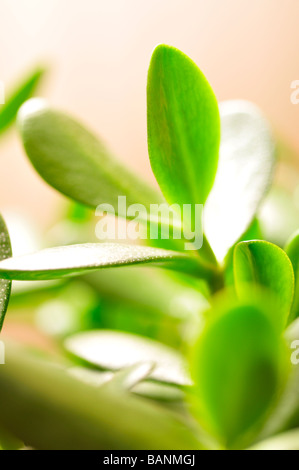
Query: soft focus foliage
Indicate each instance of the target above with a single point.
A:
(195, 356)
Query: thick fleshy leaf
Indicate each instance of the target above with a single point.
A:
(67, 414)
(75, 162)
(8, 111)
(183, 127)
(5, 285)
(54, 263)
(246, 161)
(286, 441)
(260, 263)
(236, 368)
(292, 250)
(114, 350)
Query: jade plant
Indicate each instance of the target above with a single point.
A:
(219, 370)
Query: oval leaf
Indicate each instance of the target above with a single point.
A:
(8, 111)
(5, 286)
(183, 127)
(75, 162)
(236, 370)
(54, 263)
(243, 177)
(261, 263)
(113, 350)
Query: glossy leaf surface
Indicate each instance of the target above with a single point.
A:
(54, 263)
(183, 127)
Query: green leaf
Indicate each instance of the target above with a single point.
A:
(5, 286)
(286, 441)
(260, 263)
(9, 110)
(114, 350)
(246, 161)
(54, 263)
(236, 368)
(67, 414)
(292, 250)
(183, 127)
(75, 162)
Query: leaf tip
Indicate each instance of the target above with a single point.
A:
(30, 108)
(162, 50)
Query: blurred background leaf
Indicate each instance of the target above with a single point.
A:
(94, 176)
(244, 175)
(285, 415)
(68, 414)
(115, 350)
(286, 441)
(21, 93)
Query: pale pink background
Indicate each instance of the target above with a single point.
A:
(99, 52)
